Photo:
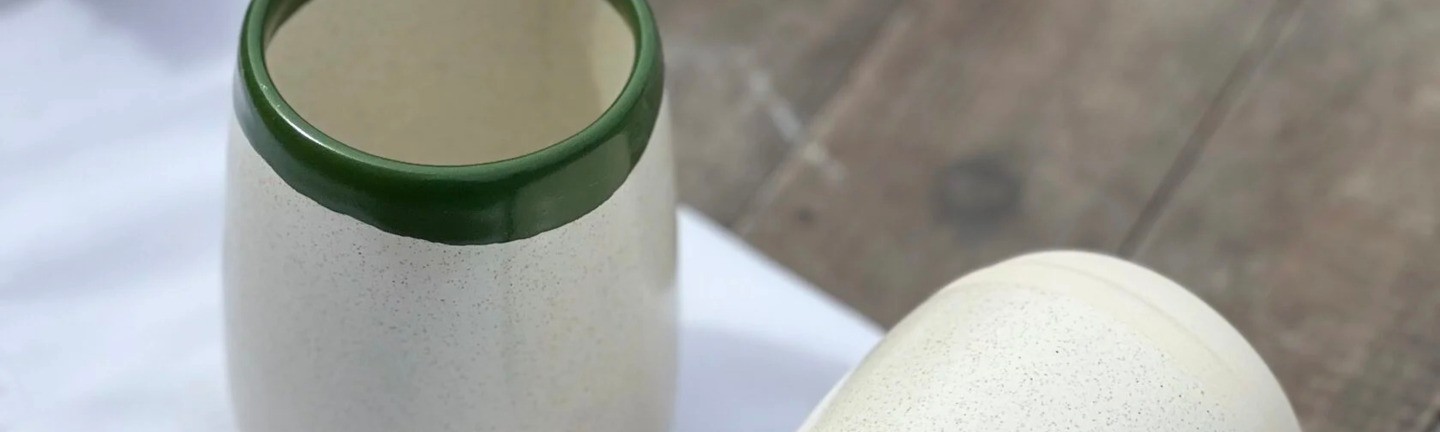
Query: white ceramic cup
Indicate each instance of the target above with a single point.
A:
(451, 215)
(1059, 341)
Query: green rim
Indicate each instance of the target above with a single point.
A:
(485, 203)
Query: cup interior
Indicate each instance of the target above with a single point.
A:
(451, 82)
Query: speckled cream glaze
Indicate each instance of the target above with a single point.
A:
(334, 325)
(1060, 341)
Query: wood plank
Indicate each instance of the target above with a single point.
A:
(745, 79)
(1312, 220)
(982, 129)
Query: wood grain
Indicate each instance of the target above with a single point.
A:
(977, 130)
(745, 79)
(1312, 220)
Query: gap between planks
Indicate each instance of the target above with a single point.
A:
(1278, 22)
(809, 148)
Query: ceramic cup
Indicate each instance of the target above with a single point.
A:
(1059, 341)
(450, 215)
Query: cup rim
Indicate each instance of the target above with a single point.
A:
(490, 202)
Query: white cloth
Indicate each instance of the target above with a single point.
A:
(113, 115)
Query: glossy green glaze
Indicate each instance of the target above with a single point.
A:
(486, 203)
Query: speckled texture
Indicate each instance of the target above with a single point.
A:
(1060, 341)
(334, 325)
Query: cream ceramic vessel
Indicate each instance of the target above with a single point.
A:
(450, 215)
(1059, 341)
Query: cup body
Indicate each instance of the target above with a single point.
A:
(354, 304)
(1059, 341)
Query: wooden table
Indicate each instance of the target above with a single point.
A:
(1281, 158)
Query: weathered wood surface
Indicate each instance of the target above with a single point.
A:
(1312, 217)
(978, 130)
(745, 79)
